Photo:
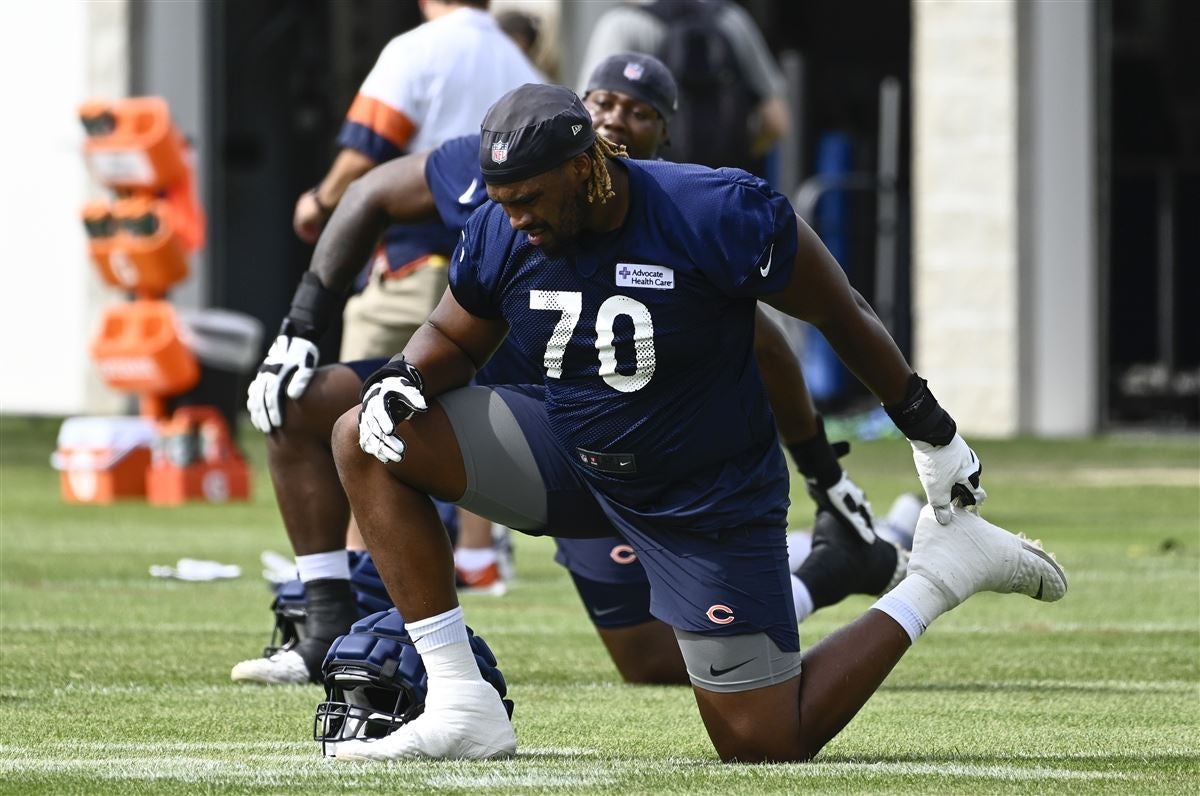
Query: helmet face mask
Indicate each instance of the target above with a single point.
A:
(359, 707)
(375, 681)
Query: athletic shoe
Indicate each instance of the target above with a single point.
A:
(971, 555)
(463, 720)
(841, 563)
(485, 580)
(282, 668)
(330, 610)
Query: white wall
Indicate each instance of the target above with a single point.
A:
(53, 55)
(1005, 214)
(965, 225)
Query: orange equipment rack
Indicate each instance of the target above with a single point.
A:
(139, 243)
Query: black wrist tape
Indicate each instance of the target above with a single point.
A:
(396, 367)
(816, 459)
(920, 417)
(313, 307)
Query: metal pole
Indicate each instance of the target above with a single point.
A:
(886, 202)
(791, 153)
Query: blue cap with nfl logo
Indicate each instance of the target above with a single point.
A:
(530, 130)
(643, 77)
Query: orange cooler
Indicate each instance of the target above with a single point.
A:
(103, 459)
(138, 349)
(194, 458)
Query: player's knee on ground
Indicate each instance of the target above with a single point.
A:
(759, 726)
(747, 688)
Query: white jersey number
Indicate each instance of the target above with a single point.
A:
(570, 304)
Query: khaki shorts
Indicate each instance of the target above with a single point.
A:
(379, 321)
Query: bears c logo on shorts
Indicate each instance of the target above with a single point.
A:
(623, 554)
(720, 614)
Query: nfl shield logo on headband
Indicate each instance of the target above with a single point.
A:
(633, 71)
(499, 151)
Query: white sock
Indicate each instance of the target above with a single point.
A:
(473, 558)
(334, 565)
(801, 599)
(799, 543)
(442, 642)
(914, 604)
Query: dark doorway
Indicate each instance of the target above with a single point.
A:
(1150, 193)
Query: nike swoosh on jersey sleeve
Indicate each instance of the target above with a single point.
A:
(469, 194)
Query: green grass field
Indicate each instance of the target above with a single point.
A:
(114, 682)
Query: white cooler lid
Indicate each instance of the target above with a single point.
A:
(117, 435)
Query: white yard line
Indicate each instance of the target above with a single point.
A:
(284, 770)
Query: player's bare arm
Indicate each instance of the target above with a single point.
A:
(452, 345)
(820, 294)
(394, 193)
(803, 433)
(786, 390)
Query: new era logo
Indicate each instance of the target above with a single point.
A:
(575, 128)
(499, 151)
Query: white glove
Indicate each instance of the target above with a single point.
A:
(290, 365)
(849, 503)
(949, 473)
(388, 402)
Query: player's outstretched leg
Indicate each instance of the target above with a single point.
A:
(315, 512)
(948, 564)
(464, 717)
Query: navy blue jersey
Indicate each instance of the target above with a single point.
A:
(646, 339)
(452, 173)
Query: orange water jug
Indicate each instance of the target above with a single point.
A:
(149, 251)
(131, 144)
(138, 349)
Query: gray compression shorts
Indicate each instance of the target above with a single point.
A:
(728, 664)
(503, 480)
